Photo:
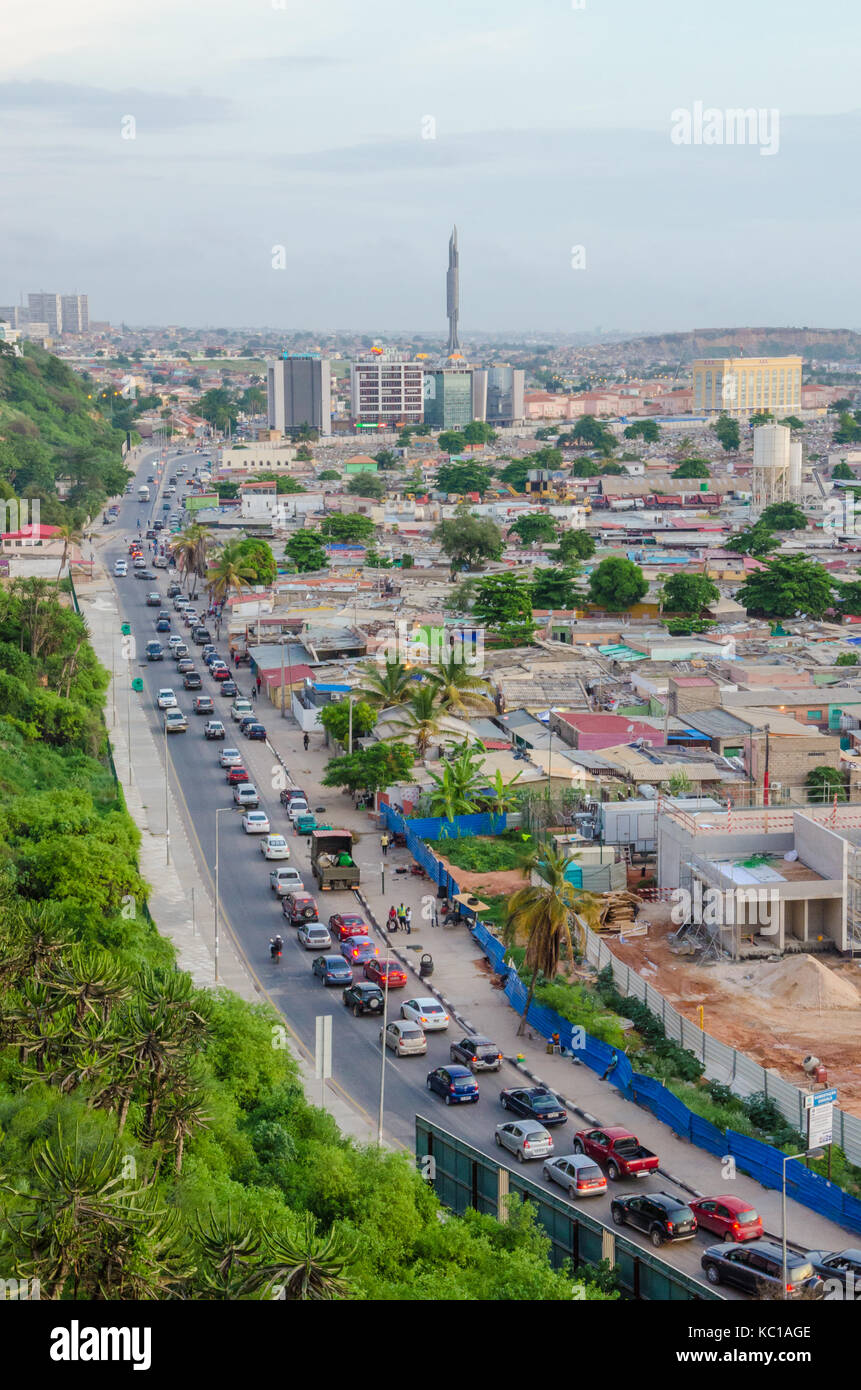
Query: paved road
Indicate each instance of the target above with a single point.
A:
(252, 914)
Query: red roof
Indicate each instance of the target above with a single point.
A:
(272, 674)
(693, 680)
(596, 731)
(34, 531)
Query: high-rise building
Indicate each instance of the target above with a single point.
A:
(740, 386)
(75, 312)
(452, 292)
(448, 393)
(13, 314)
(299, 392)
(386, 391)
(46, 308)
(498, 395)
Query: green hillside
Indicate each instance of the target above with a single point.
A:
(50, 429)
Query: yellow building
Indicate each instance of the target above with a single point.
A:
(741, 386)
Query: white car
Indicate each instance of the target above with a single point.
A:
(239, 709)
(166, 699)
(245, 794)
(230, 757)
(580, 1176)
(255, 823)
(275, 847)
(121, 567)
(314, 936)
(429, 1013)
(296, 809)
(285, 880)
(405, 1038)
(175, 641)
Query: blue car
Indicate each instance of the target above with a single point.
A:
(163, 625)
(332, 970)
(255, 731)
(154, 651)
(456, 1085)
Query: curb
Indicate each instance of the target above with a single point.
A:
(408, 964)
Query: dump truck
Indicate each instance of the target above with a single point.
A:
(332, 861)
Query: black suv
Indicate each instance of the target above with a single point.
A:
(757, 1268)
(363, 998)
(476, 1052)
(661, 1215)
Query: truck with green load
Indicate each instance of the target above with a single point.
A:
(332, 862)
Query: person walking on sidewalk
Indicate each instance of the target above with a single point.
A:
(408, 920)
(305, 742)
(402, 917)
(259, 683)
(393, 918)
(384, 843)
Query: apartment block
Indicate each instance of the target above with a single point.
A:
(741, 386)
(386, 392)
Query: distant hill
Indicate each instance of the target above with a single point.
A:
(834, 343)
(49, 429)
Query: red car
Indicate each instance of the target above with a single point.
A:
(377, 970)
(343, 925)
(236, 775)
(731, 1218)
(220, 673)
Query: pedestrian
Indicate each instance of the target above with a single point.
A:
(614, 1061)
(402, 917)
(435, 919)
(259, 683)
(384, 843)
(393, 918)
(305, 742)
(408, 920)
(236, 658)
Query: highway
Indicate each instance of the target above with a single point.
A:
(251, 912)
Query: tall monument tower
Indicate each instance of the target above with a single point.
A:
(452, 287)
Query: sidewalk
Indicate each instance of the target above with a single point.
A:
(462, 979)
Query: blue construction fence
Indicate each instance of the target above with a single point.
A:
(420, 828)
(762, 1161)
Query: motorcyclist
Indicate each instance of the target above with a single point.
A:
(276, 945)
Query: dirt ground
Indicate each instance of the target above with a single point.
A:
(505, 881)
(776, 1032)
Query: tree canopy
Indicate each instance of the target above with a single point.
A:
(307, 551)
(689, 593)
(786, 586)
(756, 540)
(617, 583)
(537, 526)
(460, 478)
(692, 468)
(468, 540)
(346, 528)
(728, 433)
(503, 604)
(783, 516)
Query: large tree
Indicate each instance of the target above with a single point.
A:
(692, 468)
(307, 551)
(346, 528)
(468, 540)
(617, 583)
(555, 588)
(460, 478)
(370, 769)
(336, 720)
(783, 516)
(452, 442)
(728, 433)
(503, 603)
(366, 484)
(689, 593)
(538, 526)
(575, 545)
(541, 915)
(787, 585)
(756, 540)
(647, 430)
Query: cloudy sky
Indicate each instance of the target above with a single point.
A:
(305, 124)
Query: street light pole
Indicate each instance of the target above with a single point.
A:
(283, 690)
(383, 1048)
(788, 1158)
(219, 812)
(166, 798)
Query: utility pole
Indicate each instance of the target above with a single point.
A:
(283, 687)
(166, 798)
(765, 785)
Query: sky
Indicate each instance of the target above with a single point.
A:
(299, 163)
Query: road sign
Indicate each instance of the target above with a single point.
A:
(820, 1117)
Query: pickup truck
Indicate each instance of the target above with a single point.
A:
(332, 861)
(619, 1150)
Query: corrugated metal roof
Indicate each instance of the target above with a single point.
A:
(717, 723)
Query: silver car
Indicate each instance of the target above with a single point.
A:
(283, 880)
(580, 1176)
(525, 1139)
(314, 936)
(405, 1038)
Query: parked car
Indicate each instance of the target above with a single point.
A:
(314, 936)
(757, 1269)
(427, 1012)
(230, 757)
(285, 880)
(219, 673)
(359, 949)
(731, 1218)
(386, 969)
(476, 1052)
(525, 1139)
(363, 998)
(404, 1038)
(300, 907)
(245, 721)
(276, 847)
(332, 970)
(296, 809)
(175, 721)
(199, 635)
(456, 1085)
(192, 681)
(293, 794)
(245, 794)
(213, 728)
(166, 699)
(255, 822)
(535, 1103)
(618, 1150)
(255, 732)
(577, 1174)
(305, 825)
(844, 1266)
(661, 1215)
(343, 925)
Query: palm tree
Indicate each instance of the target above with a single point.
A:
(458, 689)
(542, 914)
(70, 535)
(191, 548)
(422, 723)
(392, 685)
(309, 1268)
(230, 573)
